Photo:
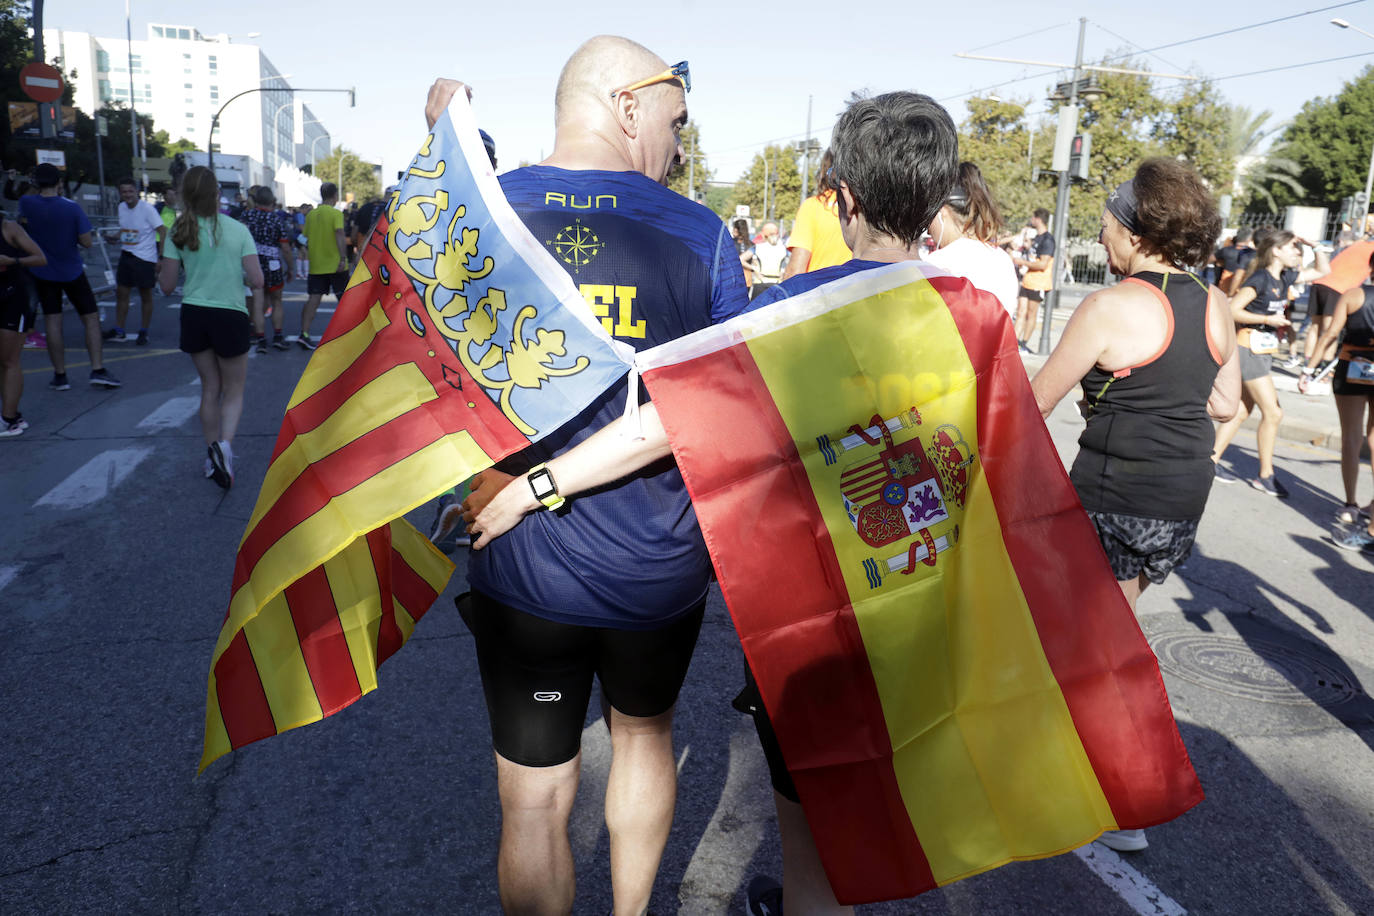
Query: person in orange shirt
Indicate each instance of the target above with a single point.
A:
(1349, 269)
(815, 241)
(1038, 279)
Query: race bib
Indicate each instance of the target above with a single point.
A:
(128, 237)
(1360, 372)
(274, 265)
(1263, 343)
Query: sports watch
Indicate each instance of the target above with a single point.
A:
(543, 486)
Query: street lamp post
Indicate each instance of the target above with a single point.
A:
(1061, 210)
(1369, 178)
(214, 122)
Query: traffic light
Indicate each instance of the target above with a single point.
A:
(1079, 151)
(49, 119)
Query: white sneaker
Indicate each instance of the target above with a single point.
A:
(1124, 840)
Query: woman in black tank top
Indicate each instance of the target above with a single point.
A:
(1353, 387)
(17, 251)
(1156, 357)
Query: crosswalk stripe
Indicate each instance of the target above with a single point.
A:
(1138, 891)
(94, 480)
(171, 414)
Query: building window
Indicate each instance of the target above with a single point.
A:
(187, 85)
(157, 30)
(102, 61)
(105, 93)
(184, 34)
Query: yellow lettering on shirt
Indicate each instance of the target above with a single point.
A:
(600, 297)
(589, 202)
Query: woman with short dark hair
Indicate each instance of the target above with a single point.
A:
(1156, 357)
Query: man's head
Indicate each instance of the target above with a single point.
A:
(1245, 237)
(1040, 219)
(896, 157)
(263, 197)
(770, 233)
(46, 175)
(615, 91)
(128, 191)
(329, 192)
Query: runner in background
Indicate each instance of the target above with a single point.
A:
(272, 238)
(17, 251)
(816, 241)
(1352, 385)
(1349, 270)
(1037, 280)
(1258, 309)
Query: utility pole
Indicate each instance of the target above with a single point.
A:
(765, 185)
(133, 114)
(1061, 209)
(101, 129)
(806, 150)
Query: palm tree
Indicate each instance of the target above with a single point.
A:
(1256, 172)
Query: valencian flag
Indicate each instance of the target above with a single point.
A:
(953, 674)
(458, 341)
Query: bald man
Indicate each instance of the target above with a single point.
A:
(611, 583)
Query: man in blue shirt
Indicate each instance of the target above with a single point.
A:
(58, 226)
(611, 584)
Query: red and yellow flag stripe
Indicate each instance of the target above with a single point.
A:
(954, 676)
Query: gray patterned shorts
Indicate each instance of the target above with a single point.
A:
(1135, 544)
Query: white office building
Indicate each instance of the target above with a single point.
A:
(181, 78)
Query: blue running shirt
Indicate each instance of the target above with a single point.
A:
(652, 266)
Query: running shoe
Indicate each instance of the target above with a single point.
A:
(1356, 538)
(101, 378)
(305, 343)
(1294, 361)
(260, 344)
(222, 464)
(209, 468)
(279, 343)
(1224, 475)
(36, 340)
(142, 338)
(764, 897)
(114, 334)
(1270, 485)
(11, 428)
(1351, 514)
(59, 382)
(1124, 840)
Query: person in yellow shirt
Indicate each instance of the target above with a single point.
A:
(325, 246)
(816, 241)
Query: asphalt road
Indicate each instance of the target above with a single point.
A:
(115, 559)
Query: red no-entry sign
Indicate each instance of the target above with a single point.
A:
(41, 82)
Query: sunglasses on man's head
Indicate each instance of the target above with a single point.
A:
(678, 71)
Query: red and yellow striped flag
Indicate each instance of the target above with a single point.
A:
(953, 674)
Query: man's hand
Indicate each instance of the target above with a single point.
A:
(440, 94)
(497, 504)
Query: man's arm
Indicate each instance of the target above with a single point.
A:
(343, 248)
(85, 239)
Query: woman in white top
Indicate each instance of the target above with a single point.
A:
(965, 233)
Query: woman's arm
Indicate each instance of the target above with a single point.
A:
(604, 457)
(1224, 400)
(252, 272)
(167, 270)
(1348, 304)
(16, 236)
(1240, 316)
(1321, 265)
(1081, 345)
(801, 258)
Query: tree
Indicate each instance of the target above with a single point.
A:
(118, 150)
(359, 178)
(782, 188)
(691, 147)
(996, 138)
(1255, 171)
(1330, 139)
(171, 147)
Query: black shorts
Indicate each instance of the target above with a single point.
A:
(537, 674)
(14, 303)
(1340, 386)
(750, 702)
(1034, 295)
(322, 284)
(1322, 300)
(78, 291)
(133, 272)
(226, 331)
(272, 280)
(1135, 544)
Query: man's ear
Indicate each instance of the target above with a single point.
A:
(628, 112)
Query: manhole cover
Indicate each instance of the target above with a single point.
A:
(1255, 669)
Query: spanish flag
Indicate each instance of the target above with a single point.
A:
(458, 341)
(954, 677)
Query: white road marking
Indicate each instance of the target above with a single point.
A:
(9, 573)
(94, 480)
(734, 834)
(171, 414)
(588, 814)
(1130, 885)
(681, 761)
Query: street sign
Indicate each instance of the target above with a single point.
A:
(102, 126)
(41, 82)
(53, 156)
(742, 211)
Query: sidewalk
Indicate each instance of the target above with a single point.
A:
(1307, 418)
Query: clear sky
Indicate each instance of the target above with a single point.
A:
(753, 65)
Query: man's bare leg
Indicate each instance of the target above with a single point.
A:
(534, 867)
(805, 888)
(641, 793)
